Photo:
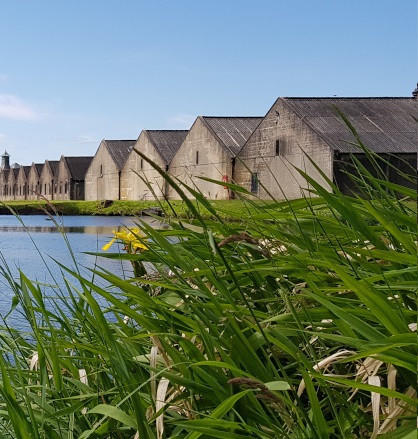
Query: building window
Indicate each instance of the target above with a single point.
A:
(254, 182)
(45, 188)
(60, 188)
(142, 163)
(101, 171)
(197, 157)
(277, 147)
(65, 187)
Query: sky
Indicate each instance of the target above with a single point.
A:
(75, 72)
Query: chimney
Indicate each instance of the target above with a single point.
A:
(5, 161)
(415, 92)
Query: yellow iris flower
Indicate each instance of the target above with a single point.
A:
(130, 238)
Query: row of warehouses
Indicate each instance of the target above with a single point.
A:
(262, 154)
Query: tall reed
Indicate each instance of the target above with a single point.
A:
(297, 320)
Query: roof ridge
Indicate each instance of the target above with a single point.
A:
(345, 97)
(233, 117)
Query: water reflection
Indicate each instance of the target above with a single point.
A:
(92, 230)
(32, 248)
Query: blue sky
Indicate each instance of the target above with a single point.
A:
(74, 72)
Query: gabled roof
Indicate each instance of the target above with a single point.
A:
(167, 142)
(14, 173)
(232, 132)
(38, 167)
(54, 165)
(26, 170)
(119, 150)
(385, 125)
(78, 166)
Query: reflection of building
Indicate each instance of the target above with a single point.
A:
(103, 177)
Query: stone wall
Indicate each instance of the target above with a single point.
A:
(276, 169)
(33, 184)
(132, 186)
(102, 177)
(22, 189)
(201, 155)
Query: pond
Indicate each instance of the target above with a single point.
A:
(33, 246)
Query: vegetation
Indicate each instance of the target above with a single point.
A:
(227, 209)
(297, 322)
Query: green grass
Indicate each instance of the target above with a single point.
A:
(297, 321)
(231, 209)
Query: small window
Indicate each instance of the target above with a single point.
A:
(60, 188)
(101, 170)
(45, 188)
(277, 147)
(254, 182)
(142, 163)
(197, 157)
(66, 187)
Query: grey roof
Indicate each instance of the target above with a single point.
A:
(26, 170)
(78, 166)
(383, 124)
(39, 167)
(54, 165)
(119, 150)
(167, 142)
(233, 132)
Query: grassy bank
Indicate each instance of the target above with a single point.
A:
(228, 209)
(298, 321)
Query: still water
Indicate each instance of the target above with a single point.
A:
(33, 246)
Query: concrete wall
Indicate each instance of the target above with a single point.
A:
(12, 185)
(33, 184)
(102, 177)
(132, 187)
(62, 190)
(3, 184)
(47, 182)
(277, 172)
(214, 162)
(22, 189)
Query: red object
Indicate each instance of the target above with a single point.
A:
(225, 179)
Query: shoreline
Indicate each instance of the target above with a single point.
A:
(231, 209)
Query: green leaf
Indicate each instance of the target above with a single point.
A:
(110, 411)
(278, 385)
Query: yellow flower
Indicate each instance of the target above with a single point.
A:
(130, 238)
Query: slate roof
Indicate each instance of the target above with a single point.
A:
(232, 132)
(26, 170)
(15, 172)
(38, 167)
(78, 166)
(54, 165)
(167, 142)
(385, 125)
(119, 150)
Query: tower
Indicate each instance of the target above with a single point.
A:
(415, 92)
(5, 161)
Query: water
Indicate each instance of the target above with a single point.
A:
(22, 247)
